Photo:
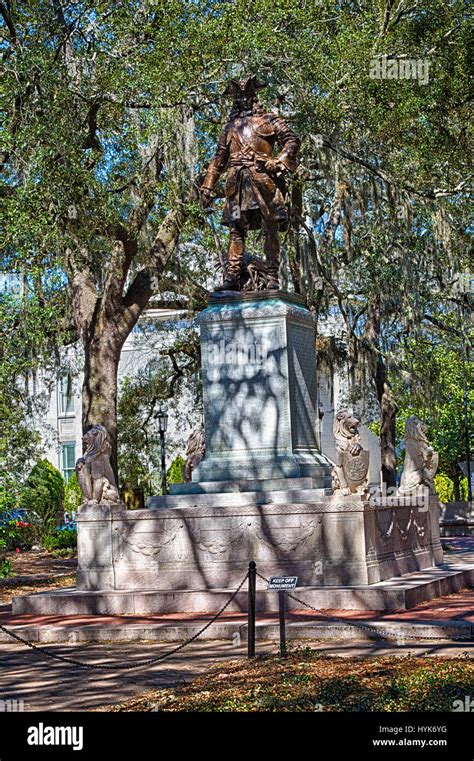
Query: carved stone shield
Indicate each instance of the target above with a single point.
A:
(355, 467)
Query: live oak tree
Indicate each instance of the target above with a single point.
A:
(433, 383)
(98, 159)
(109, 109)
(29, 358)
(382, 209)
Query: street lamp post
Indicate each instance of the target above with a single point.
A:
(161, 421)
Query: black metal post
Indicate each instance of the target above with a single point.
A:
(281, 608)
(251, 609)
(163, 463)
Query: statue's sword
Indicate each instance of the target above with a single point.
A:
(208, 215)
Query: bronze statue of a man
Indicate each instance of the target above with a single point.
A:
(256, 196)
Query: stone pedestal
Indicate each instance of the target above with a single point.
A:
(259, 389)
(207, 542)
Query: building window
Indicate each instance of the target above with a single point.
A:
(65, 395)
(68, 459)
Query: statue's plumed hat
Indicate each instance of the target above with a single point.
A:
(249, 85)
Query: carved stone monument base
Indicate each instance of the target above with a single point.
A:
(262, 492)
(208, 544)
(259, 389)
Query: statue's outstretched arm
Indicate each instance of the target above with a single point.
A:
(217, 164)
(289, 143)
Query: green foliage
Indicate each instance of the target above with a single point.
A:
(8, 535)
(428, 689)
(5, 564)
(72, 495)
(430, 385)
(445, 488)
(110, 108)
(6, 568)
(8, 502)
(60, 540)
(28, 340)
(301, 682)
(17, 535)
(160, 381)
(174, 473)
(43, 497)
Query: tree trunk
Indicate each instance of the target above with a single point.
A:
(455, 475)
(388, 409)
(388, 412)
(99, 390)
(105, 316)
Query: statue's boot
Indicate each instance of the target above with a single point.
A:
(234, 259)
(271, 247)
(273, 283)
(229, 284)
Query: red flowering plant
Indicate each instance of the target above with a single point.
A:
(17, 535)
(24, 535)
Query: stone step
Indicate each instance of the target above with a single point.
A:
(240, 498)
(404, 634)
(259, 485)
(394, 594)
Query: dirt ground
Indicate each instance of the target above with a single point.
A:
(36, 571)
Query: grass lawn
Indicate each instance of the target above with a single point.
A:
(307, 681)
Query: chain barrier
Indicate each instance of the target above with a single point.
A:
(381, 634)
(125, 666)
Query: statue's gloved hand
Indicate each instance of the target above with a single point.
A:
(207, 197)
(274, 166)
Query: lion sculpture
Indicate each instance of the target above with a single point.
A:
(94, 472)
(352, 461)
(421, 460)
(195, 450)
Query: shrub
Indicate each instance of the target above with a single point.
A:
(8, 502)
(43, 497)
(8, 535)
(445, 488)
(17, 534)
(72, 495)
(6, 568)
(133, 496)
(60, 539)
(25, 535)
(174, 473)
(5, 565)
(67, 552)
